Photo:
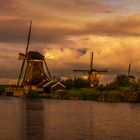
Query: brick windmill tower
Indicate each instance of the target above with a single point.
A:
(34, 69)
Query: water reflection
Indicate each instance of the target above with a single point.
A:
(33, 119)
(42, 119)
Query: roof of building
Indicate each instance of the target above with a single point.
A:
(43, 83)
(58, 83)
(50, 83)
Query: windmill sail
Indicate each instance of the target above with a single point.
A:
(92, 72)
(100, 71)
(21, 56)
(80, 70)
(48, 70)
(23, 63)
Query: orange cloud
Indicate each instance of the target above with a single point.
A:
(67, 31)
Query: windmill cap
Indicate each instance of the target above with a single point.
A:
(31, 55)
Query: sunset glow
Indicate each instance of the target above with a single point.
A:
(49, 56)
(68, 31)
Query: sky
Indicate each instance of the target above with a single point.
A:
(66, 32)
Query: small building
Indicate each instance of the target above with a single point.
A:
(49, 87)
(57, 86)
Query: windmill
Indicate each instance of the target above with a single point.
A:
(131, 78)
(32, 69)
(92, 73)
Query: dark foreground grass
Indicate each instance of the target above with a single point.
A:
(92, 94)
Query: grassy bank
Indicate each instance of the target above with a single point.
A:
(93, 94)
(123, 88)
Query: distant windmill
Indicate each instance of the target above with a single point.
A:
(129, 68)
(32, 70)
(92, 73)
(132, 78)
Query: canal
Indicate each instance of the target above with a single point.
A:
(46, 119)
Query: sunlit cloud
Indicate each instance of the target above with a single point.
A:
(66, 32)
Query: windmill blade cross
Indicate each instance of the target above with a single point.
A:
(48, 70)
(81, 71)
(100, 71)
(23, 63)
(29, 36)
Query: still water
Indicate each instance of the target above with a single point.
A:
(44, 119)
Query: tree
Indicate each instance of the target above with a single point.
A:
(121, 80)
(76, 83)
